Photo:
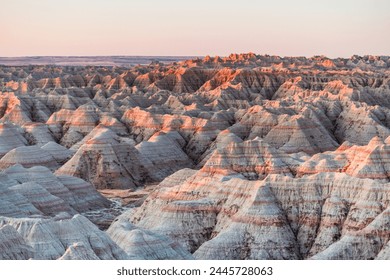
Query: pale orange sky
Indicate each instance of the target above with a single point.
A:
(176, 27)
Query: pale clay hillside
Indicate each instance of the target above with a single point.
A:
(239, 157)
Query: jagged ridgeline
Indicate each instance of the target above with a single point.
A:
(239, 157)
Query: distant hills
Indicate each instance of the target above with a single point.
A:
(89, 60)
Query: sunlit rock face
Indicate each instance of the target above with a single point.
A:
(238, 157)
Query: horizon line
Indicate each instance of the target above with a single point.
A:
(196, 56)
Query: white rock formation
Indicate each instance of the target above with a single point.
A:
(56, 238)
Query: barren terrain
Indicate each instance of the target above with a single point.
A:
(239, 157)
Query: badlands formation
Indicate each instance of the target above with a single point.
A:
(239, 157)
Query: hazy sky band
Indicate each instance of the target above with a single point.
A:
(177, 27)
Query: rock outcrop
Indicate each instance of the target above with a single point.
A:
(279, 217)
(36, 191)
(60, 237)
(144, 244)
